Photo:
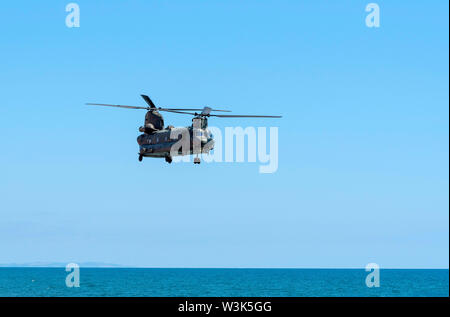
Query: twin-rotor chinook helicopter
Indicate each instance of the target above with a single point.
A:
(157, 141)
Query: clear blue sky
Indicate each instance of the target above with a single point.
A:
(363, 148)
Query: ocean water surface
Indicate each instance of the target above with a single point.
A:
(133, 282)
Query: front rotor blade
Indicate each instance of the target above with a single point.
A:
(118, 106)
(148, 101)
(176, 111)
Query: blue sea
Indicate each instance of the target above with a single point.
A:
(222, 282)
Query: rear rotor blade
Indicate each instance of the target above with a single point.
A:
(206, 111)
(192, 109)
(118, 106)
(220, 115)
(241, 116)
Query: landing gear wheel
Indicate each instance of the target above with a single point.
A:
(140, 158)
(169, 159)
(197, 160)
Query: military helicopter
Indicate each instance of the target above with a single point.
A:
(157, 141)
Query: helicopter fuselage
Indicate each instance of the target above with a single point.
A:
(162, 142)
